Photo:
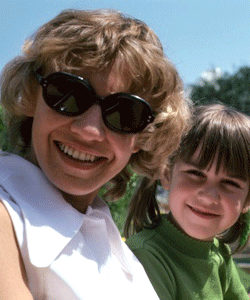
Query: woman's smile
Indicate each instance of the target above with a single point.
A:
(75, 161)
(78, 155)
(75, 154)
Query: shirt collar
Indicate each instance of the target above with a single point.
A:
(50, 221)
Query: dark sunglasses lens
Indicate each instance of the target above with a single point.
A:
(67, 96)
(126, 114)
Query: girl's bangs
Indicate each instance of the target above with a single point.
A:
(227, 147)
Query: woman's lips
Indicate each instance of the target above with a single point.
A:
(77, 156)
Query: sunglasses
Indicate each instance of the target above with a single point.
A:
(72, 95)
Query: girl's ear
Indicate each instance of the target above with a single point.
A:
(246, 207)
(165, 179)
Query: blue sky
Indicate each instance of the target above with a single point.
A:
(197, 35)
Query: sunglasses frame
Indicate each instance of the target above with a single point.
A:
(58, 107)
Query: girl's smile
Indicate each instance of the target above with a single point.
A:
(203, 213)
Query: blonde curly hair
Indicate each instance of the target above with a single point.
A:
(77, 40)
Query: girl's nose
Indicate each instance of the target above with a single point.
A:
(210, 193)
(90, 125)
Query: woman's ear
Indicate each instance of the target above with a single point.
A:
(246, 207)
(135, 149)
(165, 179)
(29, 111)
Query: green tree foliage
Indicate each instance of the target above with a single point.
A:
(119, 209)
(230, 89)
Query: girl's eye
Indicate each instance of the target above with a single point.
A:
(195, 174)
(231, 183)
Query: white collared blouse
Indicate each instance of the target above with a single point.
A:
(67, 254)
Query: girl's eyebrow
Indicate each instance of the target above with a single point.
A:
(236, 176)
(228, 174)
(192, 163)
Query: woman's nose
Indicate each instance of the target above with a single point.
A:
(90, 125)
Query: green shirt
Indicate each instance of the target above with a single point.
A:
(181, 267)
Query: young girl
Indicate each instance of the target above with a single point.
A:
(92, 93)
(184, 251)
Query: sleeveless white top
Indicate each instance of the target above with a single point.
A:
(67, 255)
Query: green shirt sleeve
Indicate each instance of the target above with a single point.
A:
(235, 289)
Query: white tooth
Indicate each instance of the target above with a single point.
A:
(90, 157)
(76, 154)
(66, 149)
(82, 156)
(70, 151)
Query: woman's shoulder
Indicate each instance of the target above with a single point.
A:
(5, 222)
(12, 272)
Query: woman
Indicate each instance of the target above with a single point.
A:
(91, 95)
